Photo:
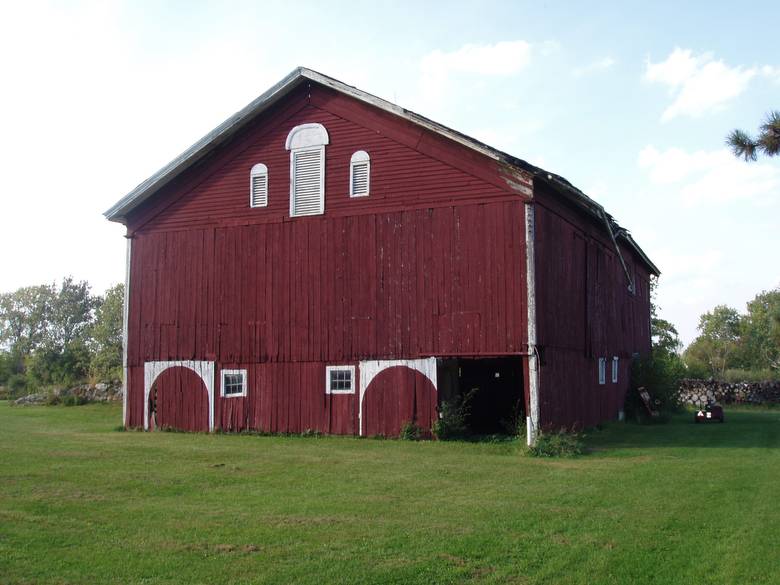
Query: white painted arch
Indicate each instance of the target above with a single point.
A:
(307, 136)
(205, 370)
(372, 368)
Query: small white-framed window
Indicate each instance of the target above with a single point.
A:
(602, 370)
(340, 380)
(258, 186)
(615, 367)
(359, 174)
(233, 383)
(306, 144)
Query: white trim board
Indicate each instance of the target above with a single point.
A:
(532, 420)
(371, 369)
(203, 369)
(125, 317)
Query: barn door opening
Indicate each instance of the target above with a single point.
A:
(490, 391)
(178, 399)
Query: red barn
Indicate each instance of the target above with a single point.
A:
(327, 260)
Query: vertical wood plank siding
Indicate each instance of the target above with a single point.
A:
(430, 263)
(584, 311)
(286, 299)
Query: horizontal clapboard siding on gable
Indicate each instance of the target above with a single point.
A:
(401, 176)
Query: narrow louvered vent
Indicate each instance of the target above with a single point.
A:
(360, 168)
(260, 191)
(258, 186)
(308, 197)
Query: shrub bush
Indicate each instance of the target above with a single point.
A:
(411, 432)
(659, 373)
(451, 423)
(17, 384)
(735, 375)
(560, 444)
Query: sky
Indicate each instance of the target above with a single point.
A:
(630, 101)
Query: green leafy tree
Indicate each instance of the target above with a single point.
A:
(106, 335)
(660, 371)
(45, 330)
(767, 142)
(760, 332)
(24, 317)
(717, 346)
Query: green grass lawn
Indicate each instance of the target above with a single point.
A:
(675, 503)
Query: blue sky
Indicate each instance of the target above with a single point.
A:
(630, 102)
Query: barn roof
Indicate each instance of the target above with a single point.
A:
(227, 129)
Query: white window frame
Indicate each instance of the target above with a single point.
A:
(302, 139)
(360, 157)
(241, 373)
(258, 170)
(350, 369)
(615, 368)
(602, 371)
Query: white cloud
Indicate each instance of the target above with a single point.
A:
(714, 176)
(595, 67)
(500, 60)
(771, 73)
(505, 58)
(698, 83)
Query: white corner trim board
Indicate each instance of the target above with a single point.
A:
(125, 316)
(371, 369)
(203, 369)
(532, 420)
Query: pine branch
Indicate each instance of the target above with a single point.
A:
(742, 145)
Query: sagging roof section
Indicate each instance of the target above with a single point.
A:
(227, 129)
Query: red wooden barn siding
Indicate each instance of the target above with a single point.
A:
(584, 311)
(418, 268)
(410, 167)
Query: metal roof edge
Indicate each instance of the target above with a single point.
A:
(199, 149)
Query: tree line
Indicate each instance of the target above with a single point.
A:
(60, 335)
(738, 347)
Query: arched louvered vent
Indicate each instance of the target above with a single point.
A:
(307, 169)
(258, 186)
(359, 174)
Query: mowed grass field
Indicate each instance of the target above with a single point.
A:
(675, 503)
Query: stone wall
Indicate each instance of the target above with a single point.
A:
(699, 392)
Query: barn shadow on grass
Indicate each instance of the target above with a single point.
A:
(745, 428)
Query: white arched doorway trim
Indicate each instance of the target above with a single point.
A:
(205, 370)
(371, 369)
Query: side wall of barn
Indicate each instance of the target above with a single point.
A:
(585, 311)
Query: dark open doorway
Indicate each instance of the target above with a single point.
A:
(489, 391)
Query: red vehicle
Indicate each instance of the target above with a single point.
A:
(711, 413)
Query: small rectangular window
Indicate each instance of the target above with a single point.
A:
(233, 383)
(602, 370)
(340, 380)
(615, 364)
